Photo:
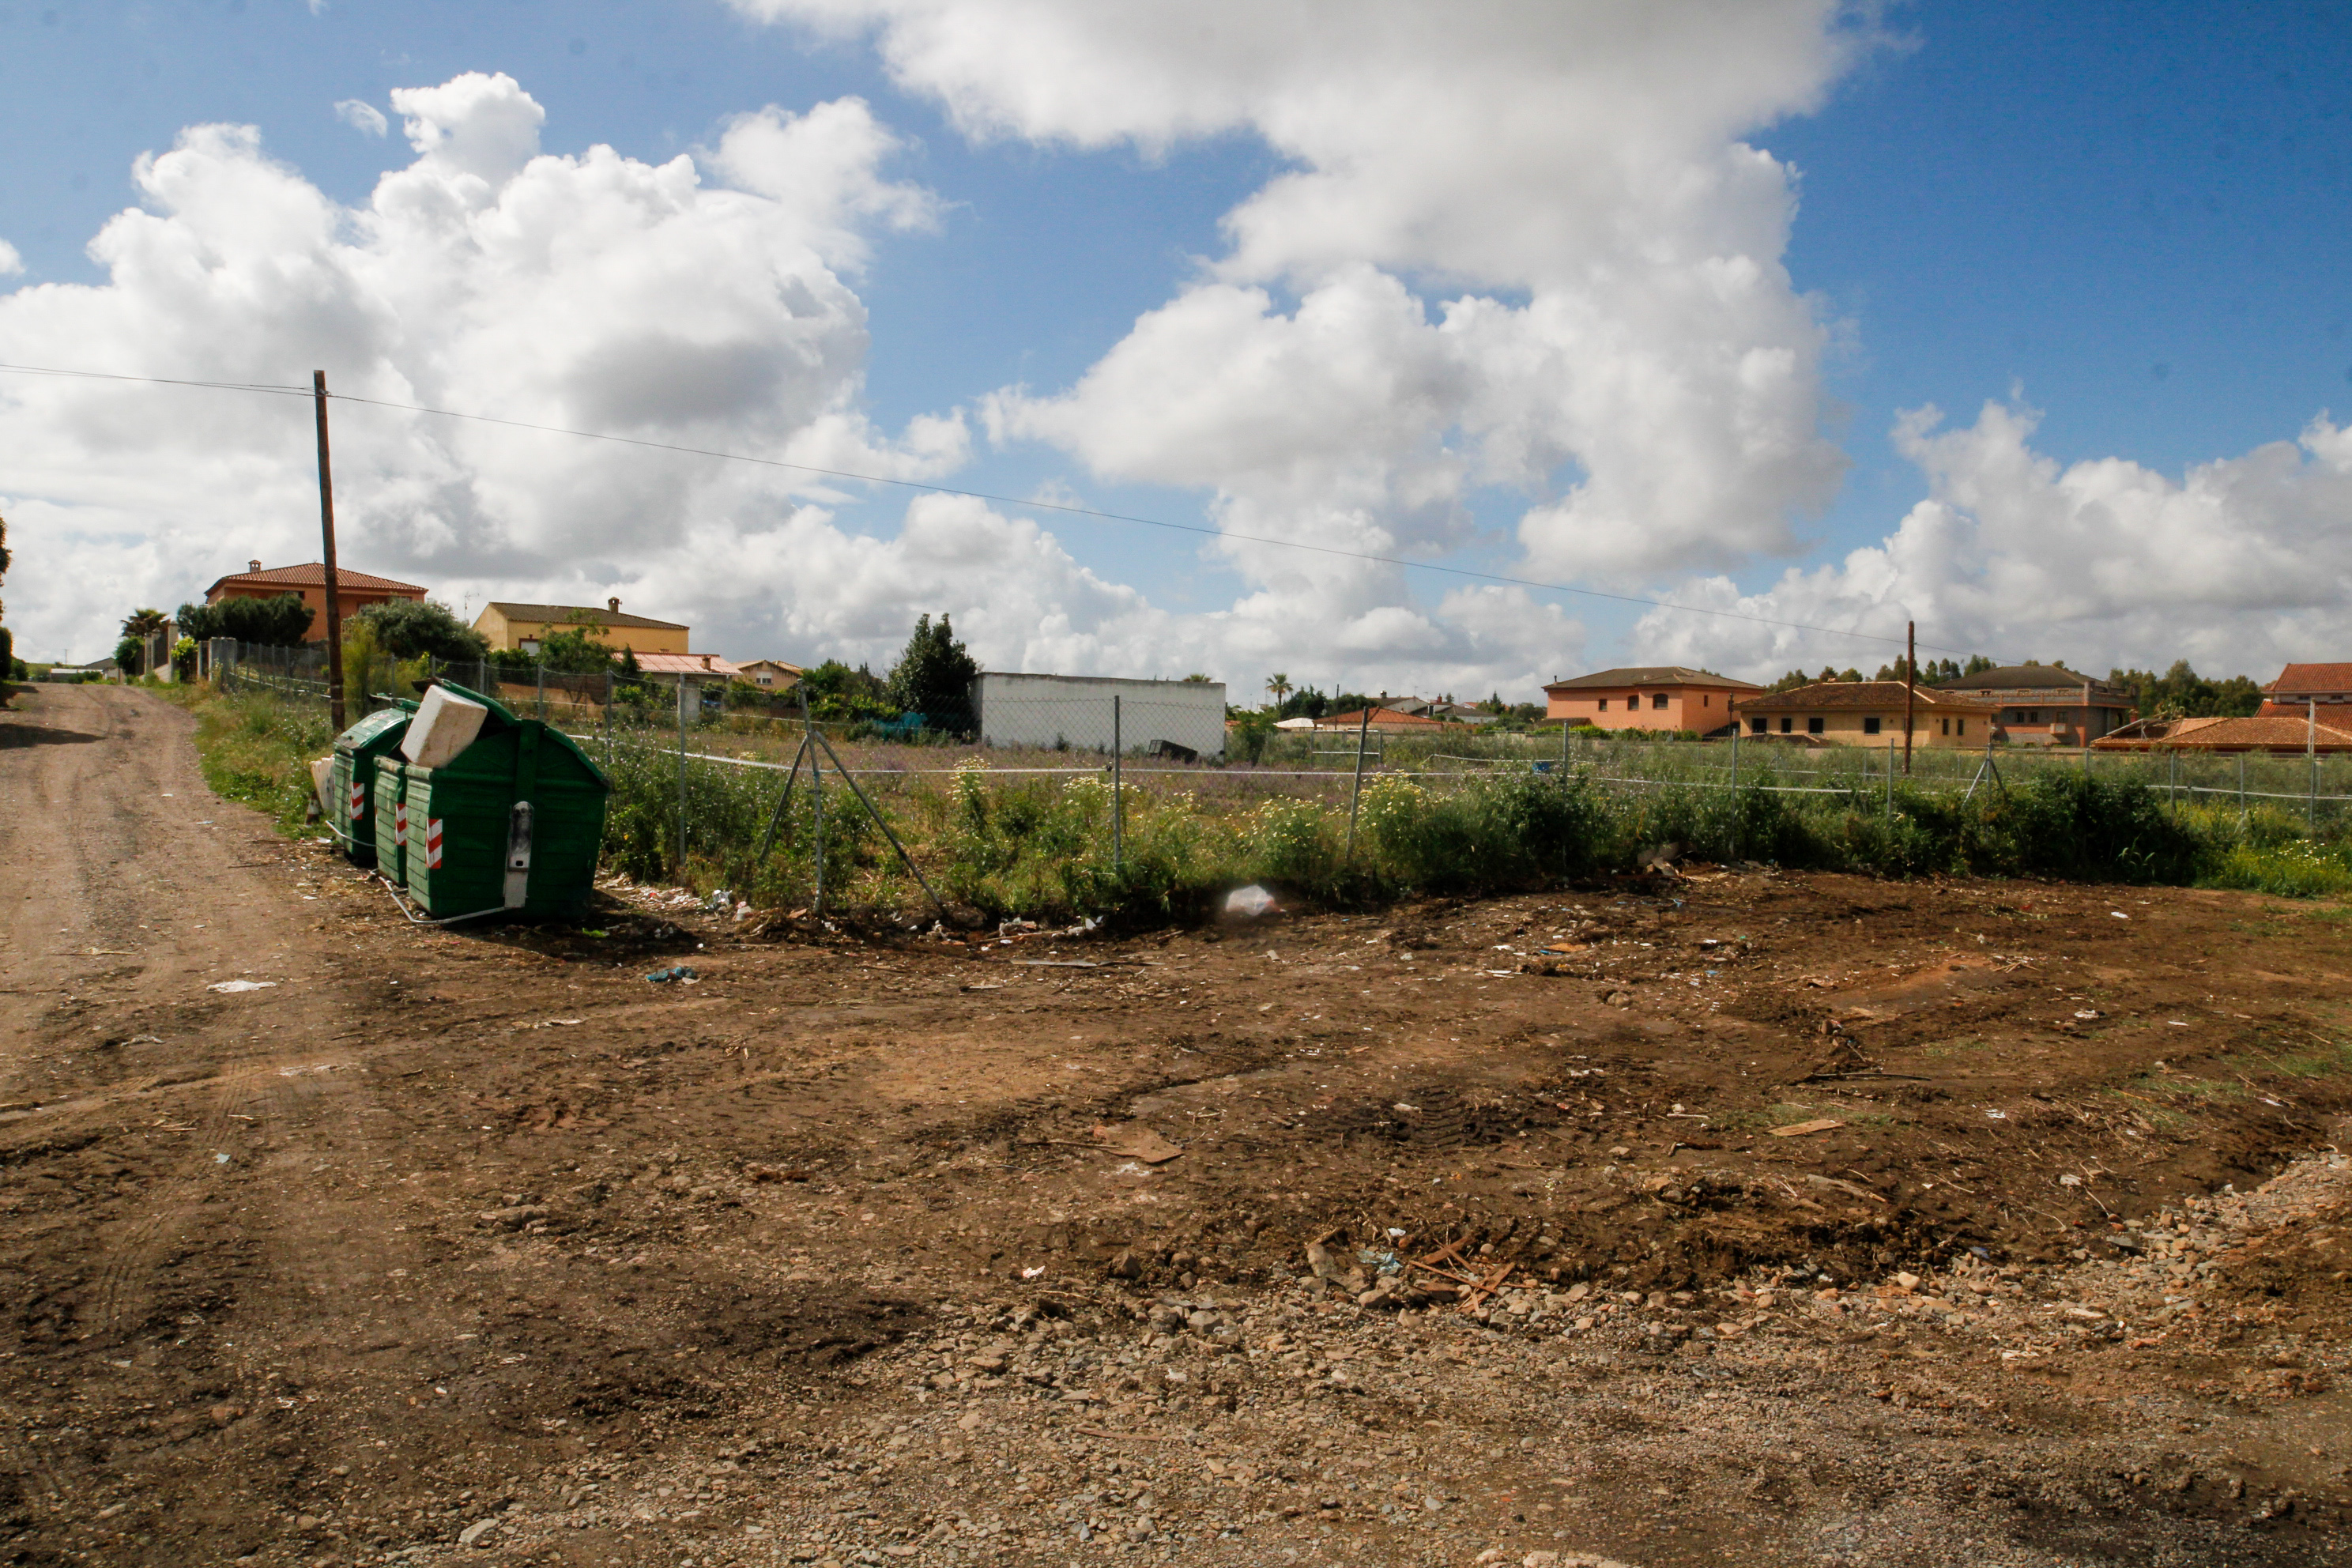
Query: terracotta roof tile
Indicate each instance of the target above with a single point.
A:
(2256, 734)
(1652, 675)
(2312, 677)
(687, 664)
(313, 575)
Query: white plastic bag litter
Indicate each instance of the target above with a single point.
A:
(1250, 902)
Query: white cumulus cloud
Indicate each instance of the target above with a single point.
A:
(700, 301)
(2240, 565)
(1515, 244)
(11, 261)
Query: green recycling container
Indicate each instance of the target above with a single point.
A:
(352, 784)
(513, 821)
(389, 807)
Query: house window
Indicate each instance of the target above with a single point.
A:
(1657, 699)
(1785, 722)
(1604, 705)
(1813, 725)
(1870, 725)
(1946, 728)
(1705, 700)
(1963, 729)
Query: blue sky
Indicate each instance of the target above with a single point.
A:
(2130, 220)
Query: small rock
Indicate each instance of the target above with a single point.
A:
(513, 1217)
(473, 1533)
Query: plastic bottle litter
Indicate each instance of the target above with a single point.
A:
(1251, 901)
(678, 972)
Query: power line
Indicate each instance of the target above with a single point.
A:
(1498, 577)
(161, 380)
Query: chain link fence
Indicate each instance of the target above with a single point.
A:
(718, 783)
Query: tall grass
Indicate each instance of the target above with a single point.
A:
(257, 748)
(1041, 846)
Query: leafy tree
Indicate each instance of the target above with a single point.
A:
(834, 691)
(575, 650)
(1791, 681)
(131, 654)
(1250, 733)
(934, 677)
(413, 628)
(280, 621)
(2180, 692)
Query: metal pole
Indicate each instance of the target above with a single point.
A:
(1890, 780)
(540, 674)
(1356, 793)
(608, 719)
(681, 773)
(2242, 792)
(816, 794)
(1118, 847)
(2087, 726)
(327, 530)
(1910, 688)
(2311, 751)
(880, 820)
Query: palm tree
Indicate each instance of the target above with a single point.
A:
(144, 622)
(1279, 684)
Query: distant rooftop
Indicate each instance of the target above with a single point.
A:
(579, 615)
(2025, 677)
(1654, 674)
(312, 574)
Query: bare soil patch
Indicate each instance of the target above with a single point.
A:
(451, 1243)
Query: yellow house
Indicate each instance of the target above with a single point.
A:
(525, 626)
(1870, 713)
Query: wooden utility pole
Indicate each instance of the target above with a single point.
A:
(1910, 687)
(334, 589)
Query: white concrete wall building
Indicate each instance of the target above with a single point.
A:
(1075, 710)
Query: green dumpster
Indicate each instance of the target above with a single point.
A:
(389, 807)
(351, 789)
(509, 819)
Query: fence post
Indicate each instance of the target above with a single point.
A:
(1890, 780)
(1356, 792)
(2242, 792)
(1117, 845)
(2311, 750)
(539, 672)
(608, 719)
(681, 773)
(1735, 785)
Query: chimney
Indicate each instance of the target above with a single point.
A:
(614, 605)
(253, 565)
(705, 661)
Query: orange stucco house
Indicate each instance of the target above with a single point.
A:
(355, 590)
(1648, 696)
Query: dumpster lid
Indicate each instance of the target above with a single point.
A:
(551, 735)
(372, 728)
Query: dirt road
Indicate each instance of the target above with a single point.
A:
(1716, 1217)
